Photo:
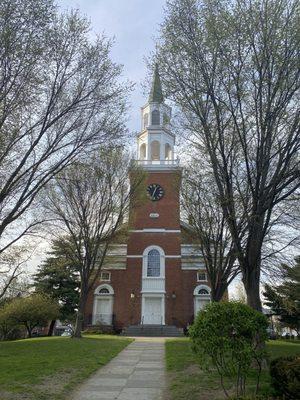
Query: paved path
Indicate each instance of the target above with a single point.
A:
(137, 373)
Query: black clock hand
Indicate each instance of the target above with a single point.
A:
(152, 197)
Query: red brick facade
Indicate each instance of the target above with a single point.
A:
(179, 283)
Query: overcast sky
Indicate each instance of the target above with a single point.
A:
(133, 24)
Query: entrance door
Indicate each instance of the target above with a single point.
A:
(104, 311)
(200, 303)
(153, 310)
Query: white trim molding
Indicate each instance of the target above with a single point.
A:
(142, 256)
(106, 319)
(200, 300)
(135, 256)
(201, 271)
(193, 267)
(176, 256)
(162, 261)
(104, 286)
(199, 287)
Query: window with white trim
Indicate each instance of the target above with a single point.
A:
(153, 263)
(201, 276)
(104, 291)
(105, 276)
(203, 292)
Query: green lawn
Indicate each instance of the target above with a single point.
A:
(47, 368)
(188, 381)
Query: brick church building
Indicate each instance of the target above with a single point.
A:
(158, 277)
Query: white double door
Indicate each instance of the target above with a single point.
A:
(103, 310)
(153, 310)
(200, 303)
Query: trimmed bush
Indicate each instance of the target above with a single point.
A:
(230, 336)
(285, 377)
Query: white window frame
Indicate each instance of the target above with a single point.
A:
(199, 287)
(201, 272)
(145, 262)
(206, 297)
(98, 295)
(109, 276)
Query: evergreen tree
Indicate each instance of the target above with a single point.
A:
(57, 277)
(284, 300)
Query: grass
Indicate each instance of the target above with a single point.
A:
(48, 368)
(188, 381)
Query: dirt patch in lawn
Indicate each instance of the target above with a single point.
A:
(55, 384)
(51, 387)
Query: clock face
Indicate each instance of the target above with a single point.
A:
(155, 191)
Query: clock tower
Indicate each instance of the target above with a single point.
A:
(155, 224)
(157, 279)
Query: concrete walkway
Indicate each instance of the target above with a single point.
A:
(137, 373)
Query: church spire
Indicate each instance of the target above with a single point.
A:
(156, 95)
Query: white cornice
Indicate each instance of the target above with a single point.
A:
(165, 256)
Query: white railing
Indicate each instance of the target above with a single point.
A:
(174, 162)
(153, 284)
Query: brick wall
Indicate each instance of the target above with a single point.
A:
(180, 284)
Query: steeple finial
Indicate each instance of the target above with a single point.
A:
(156, 94)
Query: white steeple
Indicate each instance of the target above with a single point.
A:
(156, 142)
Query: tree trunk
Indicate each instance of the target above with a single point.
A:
(217, 293)
(51, 327)
(79, 324)
(251, 280)
(252, 263)
(29, 332)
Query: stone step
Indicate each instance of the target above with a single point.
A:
(153, 331)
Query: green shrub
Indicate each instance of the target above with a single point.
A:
(285, 377)
(30, 312)
(230, 336)
(100, 329)
(9, 330)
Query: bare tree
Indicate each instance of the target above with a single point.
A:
(59, 94)
(202, 207)
(12, 264)
(90, 200)
(232, 68)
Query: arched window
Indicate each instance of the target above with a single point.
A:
(153, 265)
(146, 120)
(143, 151)
(203, 291)
(155, 117)
(104, 291)
(168, 152)
(155, 150)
